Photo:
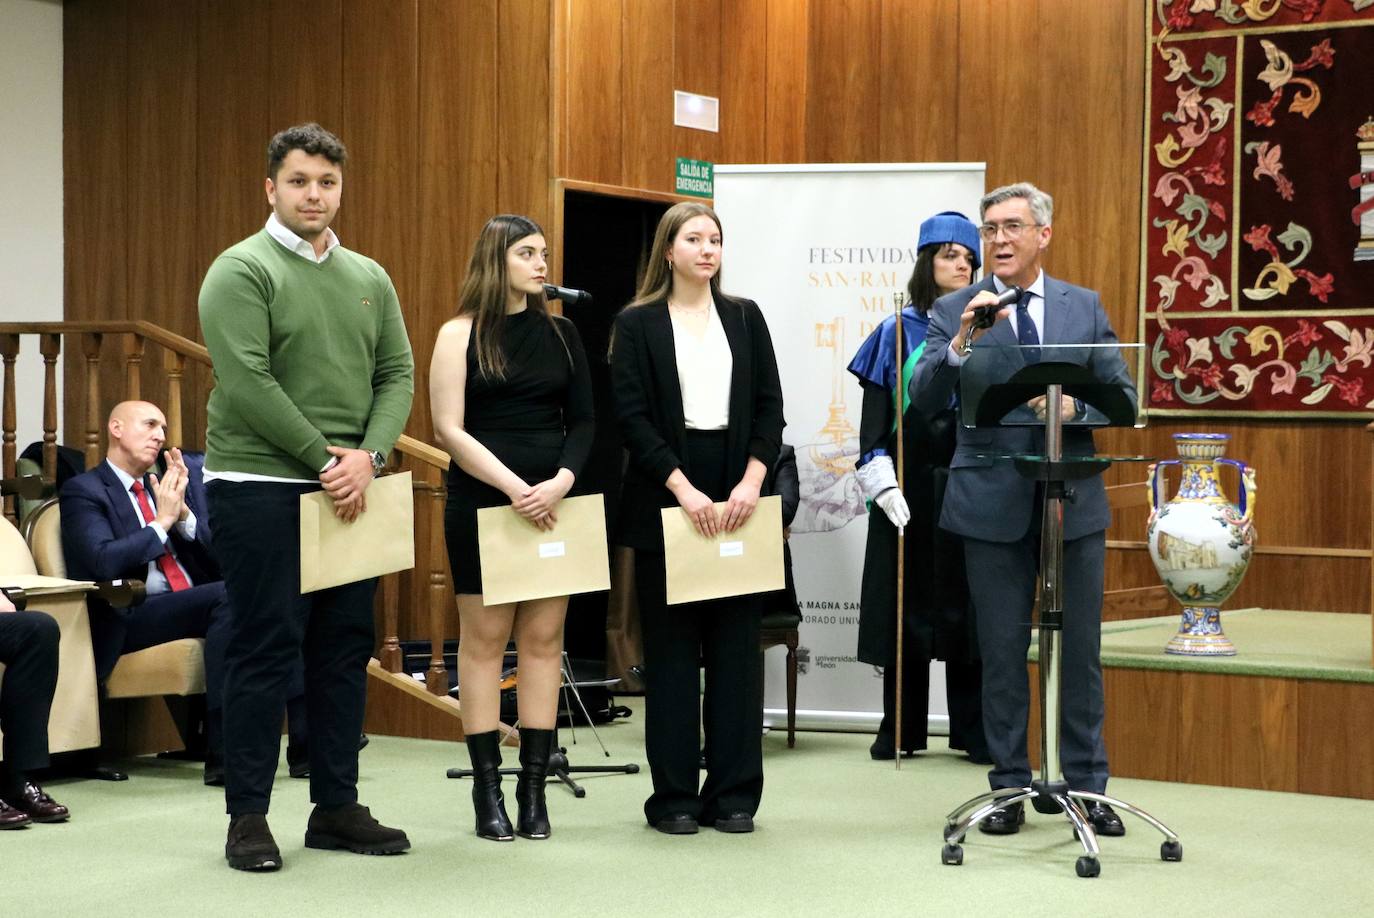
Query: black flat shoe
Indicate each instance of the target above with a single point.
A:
(1006, 820)
(884, 748)
(735, 823)
(1104, 819)
(676, 824)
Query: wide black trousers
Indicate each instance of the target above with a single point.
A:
(721, 636)
(273, 626)
(28, 648)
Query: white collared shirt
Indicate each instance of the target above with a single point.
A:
(154, 580)
(295, 244)
(704, 368)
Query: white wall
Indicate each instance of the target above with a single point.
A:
(31, 187)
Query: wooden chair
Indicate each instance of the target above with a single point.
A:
(781, 627)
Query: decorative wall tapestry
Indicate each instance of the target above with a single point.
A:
(1258, 238)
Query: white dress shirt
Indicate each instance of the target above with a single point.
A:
(704, 368)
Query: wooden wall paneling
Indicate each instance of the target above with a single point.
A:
(785, 137)
(233, 88)
(163, 192)
(647, 83)
(1256, 721)
(1000, 89)
(919, 110)
(697, 27)
(743, 82)
(843, 103)
(95, 114)
(524, 33)
(1087, 146)
(593, 134)
(1336, 738)
(380, 126)
(307, 75)
(1142, 726)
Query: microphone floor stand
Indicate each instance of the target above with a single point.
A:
(1050, 793)
(559, 766)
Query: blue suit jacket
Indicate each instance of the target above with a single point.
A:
(986, 498)
(103, 539)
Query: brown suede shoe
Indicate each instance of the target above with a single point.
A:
(351, 827)
(39, 806)
(10, 818)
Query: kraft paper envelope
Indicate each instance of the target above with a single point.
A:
(748, 560)
(521, 561)
(380, 541)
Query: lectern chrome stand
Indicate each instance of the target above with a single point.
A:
(1051, 793)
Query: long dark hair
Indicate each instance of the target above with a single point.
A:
(484, 290)
(922, 291)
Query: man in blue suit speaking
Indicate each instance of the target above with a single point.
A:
(998, 512)
(120, 522)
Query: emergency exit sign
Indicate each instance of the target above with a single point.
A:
(695, 178)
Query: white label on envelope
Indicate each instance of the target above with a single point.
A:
(731, 549)
(553, 549)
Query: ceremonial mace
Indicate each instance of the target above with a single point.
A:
(899, 299)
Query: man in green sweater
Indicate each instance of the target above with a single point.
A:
(313, 383)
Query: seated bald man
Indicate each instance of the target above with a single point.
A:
(121, 522)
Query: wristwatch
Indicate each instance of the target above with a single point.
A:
(378, 462)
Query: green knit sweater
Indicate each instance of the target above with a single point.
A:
(305, 356)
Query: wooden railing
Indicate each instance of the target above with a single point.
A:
(426, 463)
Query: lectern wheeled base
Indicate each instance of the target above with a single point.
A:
(1052, 797)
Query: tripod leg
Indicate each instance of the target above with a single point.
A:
(570, 684)
(968, 805)
(1087, 836)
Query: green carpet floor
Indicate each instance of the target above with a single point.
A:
(838, 834)
(1269, 642)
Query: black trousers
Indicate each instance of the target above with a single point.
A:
(1002, 597)
(274, 627)
(721, 636)
(963, 692)
(28, 648)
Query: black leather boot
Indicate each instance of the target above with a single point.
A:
(535, 748)
(484, 749)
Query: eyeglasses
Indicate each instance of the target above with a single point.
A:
(1012, 229)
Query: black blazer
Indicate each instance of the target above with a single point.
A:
(648, 407)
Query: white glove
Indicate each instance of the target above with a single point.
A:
(894, 505)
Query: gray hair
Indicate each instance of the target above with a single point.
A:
(1041, 204)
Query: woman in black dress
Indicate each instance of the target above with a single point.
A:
(511, 401)
(700, 408)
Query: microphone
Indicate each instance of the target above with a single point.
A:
(986, 316)
(568, 295)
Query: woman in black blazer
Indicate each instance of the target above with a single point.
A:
(699, 405)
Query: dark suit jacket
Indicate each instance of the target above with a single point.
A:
(986, 498)
(648, 407)
(103, 539)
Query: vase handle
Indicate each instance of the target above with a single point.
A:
(1155, 472)
(1247, 488)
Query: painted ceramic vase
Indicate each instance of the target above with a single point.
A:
(1200, 542)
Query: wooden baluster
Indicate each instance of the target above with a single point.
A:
(90, 347)
(133, 366)
(175, 365)
(9, 349)
(390, 656)
(440, 596)
(50, 346)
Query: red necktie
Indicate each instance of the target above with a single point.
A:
(165, 562)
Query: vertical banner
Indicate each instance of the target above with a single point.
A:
(823, 249)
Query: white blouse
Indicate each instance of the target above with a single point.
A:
(704, 367)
